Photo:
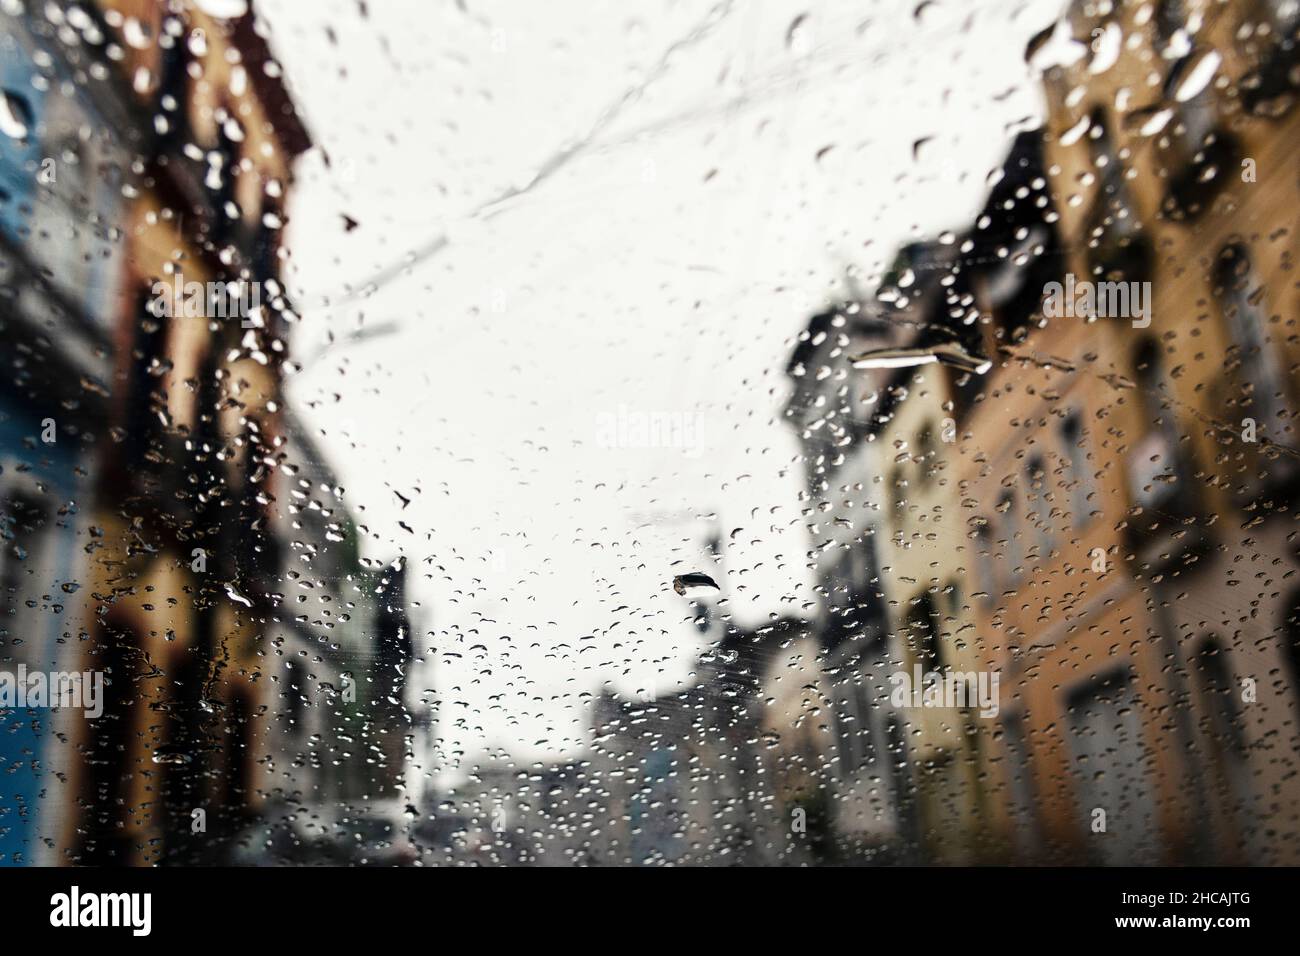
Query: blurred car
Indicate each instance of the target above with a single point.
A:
(374, 834)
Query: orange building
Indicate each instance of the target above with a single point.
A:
(1129, 468)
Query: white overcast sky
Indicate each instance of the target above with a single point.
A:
(664, 268)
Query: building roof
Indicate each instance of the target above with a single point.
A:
(248, 34)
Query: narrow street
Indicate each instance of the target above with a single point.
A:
(649, 434)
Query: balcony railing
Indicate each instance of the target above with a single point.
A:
(1196, 172)
(1265, 465)
(1271, 87)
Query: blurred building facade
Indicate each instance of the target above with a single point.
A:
(165, 518)
(1194, 190)
(185, 572)
(832, 410)
(340, 641)
(700, 776)
(62, 153)
(1105, 518)
(1099, 512)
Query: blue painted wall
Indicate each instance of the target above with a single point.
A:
(19, 159)
(26, 735)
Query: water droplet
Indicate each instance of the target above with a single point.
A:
(15, 115)
(696, 579)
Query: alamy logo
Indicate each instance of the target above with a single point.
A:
(75, 909)
(54, 689)
(946, 689)
(206, 300)
(1098, 300)
(631, 428)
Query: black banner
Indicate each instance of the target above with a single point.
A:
(145, 907)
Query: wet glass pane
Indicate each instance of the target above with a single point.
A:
(649, 433)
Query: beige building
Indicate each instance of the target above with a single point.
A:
(923, 551)
(833, 409)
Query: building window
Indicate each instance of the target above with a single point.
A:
(1238, 292)
(1036, 478)
(23, 535)
(1117, 248)
(1222, 730)
(1013, 556)
(1021, 790)
(1155, 464)
(296, 679)
(955, 596)
(1116, 203)
(1080, 478)
(1112, 771)
(927, 455)
(897, 491)
(985, 562)
(173, 83)
(924, 635)
(144, 393)
(1217, 692)
(1291, 650)
(854, 728)
(1170, 18)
